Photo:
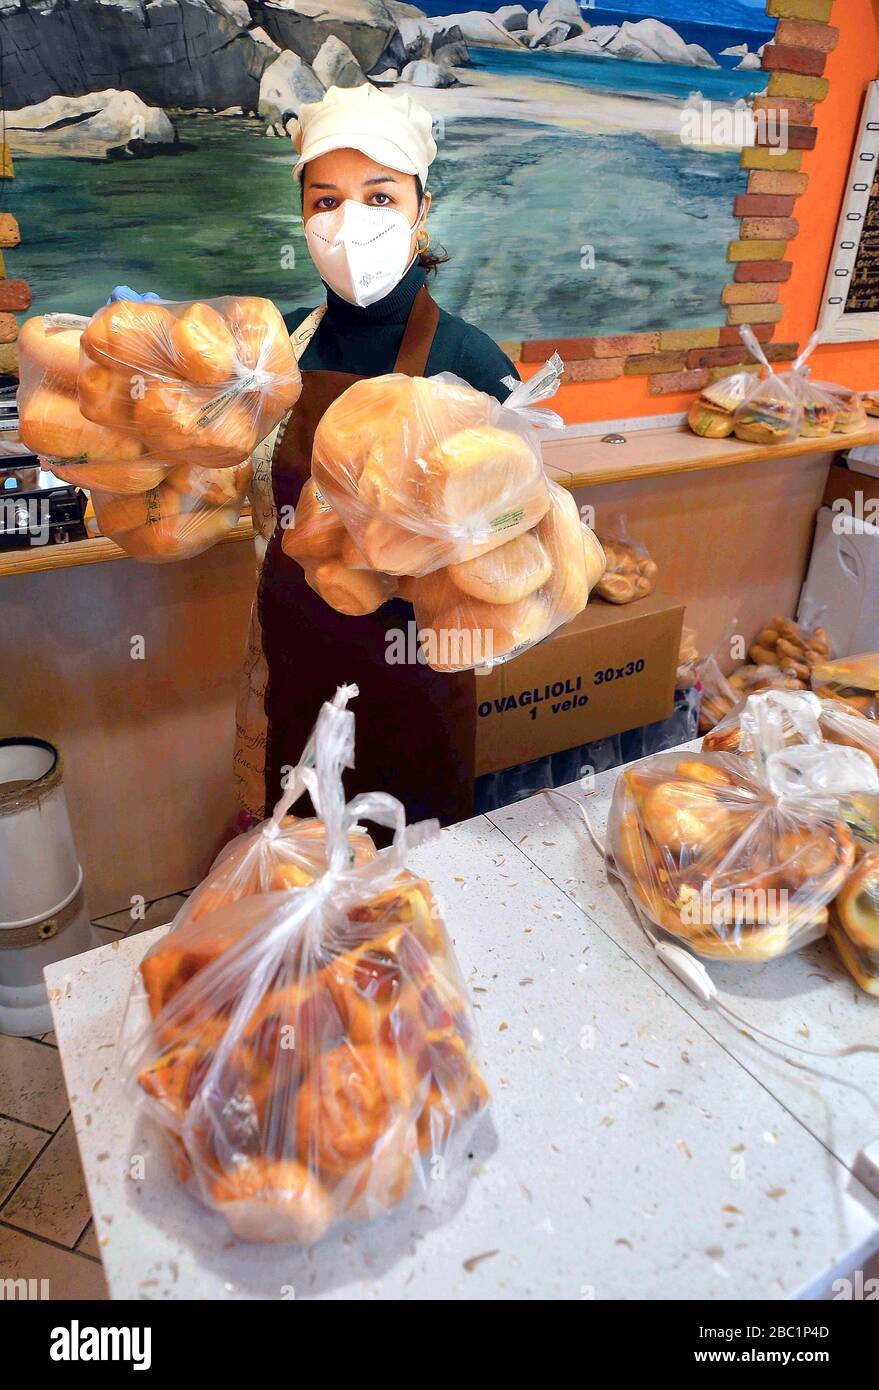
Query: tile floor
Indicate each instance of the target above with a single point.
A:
(46, 1228)
(45, 1221)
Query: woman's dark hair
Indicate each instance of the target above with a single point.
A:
(428, 260)
(433, 257)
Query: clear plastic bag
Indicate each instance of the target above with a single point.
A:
(739, 857)
(309, 1052)
(711, 414)
(854, 924)
(688, 659)
(854, 680)
(485, 611)
(428, 472)
(186, 513)
(629, 573)
(771, 412)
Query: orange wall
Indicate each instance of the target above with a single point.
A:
(853, 64)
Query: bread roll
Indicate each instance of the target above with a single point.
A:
(352, 555)
(394, 550)
(51, 423)
(132, 334)
(433, 593)
(596, 560)
(50, 352)
(213, 487)
(106, 476)
(561, 534)
(316, 533)
(204, 348)
(105, 394)
(353, 592)
(162, 524)
(273, 1200)
(262, 341)
(186, 421)
(472, 633)
(477, 476)
(507, 574)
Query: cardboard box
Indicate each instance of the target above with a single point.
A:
(612, 668)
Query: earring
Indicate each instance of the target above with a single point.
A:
(421, 245)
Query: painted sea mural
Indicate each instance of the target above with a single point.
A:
(567, 186)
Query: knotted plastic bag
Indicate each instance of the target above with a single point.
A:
(428, 472)
(827, 409)
(181, 516)
(740, 857)
(302, 1034)
(771, 412)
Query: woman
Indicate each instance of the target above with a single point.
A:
(363, 163)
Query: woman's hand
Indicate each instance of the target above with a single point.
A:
(126, 292)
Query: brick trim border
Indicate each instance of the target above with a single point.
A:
(686, 359)
(14, 294)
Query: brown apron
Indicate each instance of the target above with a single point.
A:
(416, 728)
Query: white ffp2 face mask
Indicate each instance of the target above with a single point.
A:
(361, 252)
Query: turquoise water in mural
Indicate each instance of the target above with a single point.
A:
(516, 204)
(621, 75)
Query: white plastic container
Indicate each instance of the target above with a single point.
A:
(843, 581)
(43, 915)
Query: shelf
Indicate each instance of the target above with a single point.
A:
(648, 453)
(96, 551)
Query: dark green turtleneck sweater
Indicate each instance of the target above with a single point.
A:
(366, 341)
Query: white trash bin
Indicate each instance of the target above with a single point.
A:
(43, 916)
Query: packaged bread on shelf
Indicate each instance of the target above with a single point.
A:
(202, 381)
(485, 611)
(428, 472)
(740, 858)
(804, 717)
(771, 412)
(188, 512)
(630, 573)
(827, 408)
(712, 412)
(302, 1035)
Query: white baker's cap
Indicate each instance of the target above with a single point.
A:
(392, 130)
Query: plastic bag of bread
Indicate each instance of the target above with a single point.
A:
(854, 923)
(51, 423)
(688, 658)
(794, 647)
(481, 612)
(302, 1034)
(804, 717)
(739, 857)
(427, 472)
(198, 382)
(630, 573)
(854, 680)
(771, 412)
(187, 512)
(712, 412)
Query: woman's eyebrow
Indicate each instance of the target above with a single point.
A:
(322, 185)
(379, 178)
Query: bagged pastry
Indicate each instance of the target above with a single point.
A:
(737, 857)
(484, 611)
(200, 382)
(712, 412)
(187, 512)
(428, 472)
(302, 1035)
(854, 923)
(771, 412)
(854, 680)
(795, 647)
(630, 572)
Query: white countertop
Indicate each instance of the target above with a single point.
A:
(637, 1144)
